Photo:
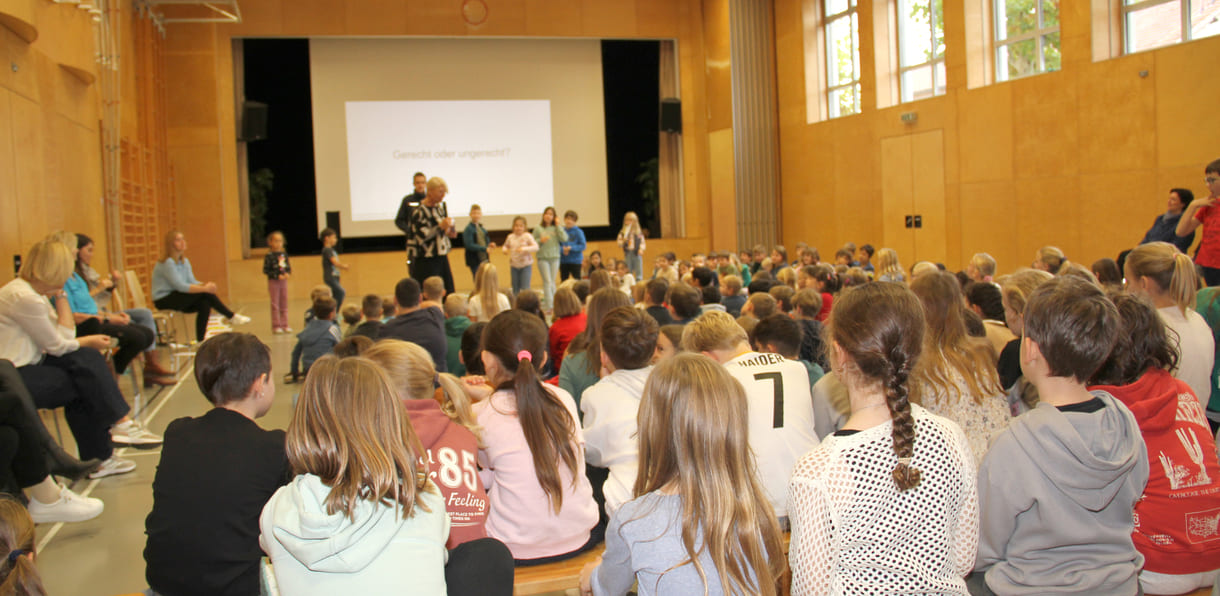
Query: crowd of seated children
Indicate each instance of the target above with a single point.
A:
(351, 315)
(984, 300)
(956, 377)
(593, 263)
(1184, 481)
(781, 334)
(317, 339)
(568, 321)
(699, 520)
(669, 342)
(806, 304)
(318, 292)
(203, 527)
(416, 323)
(629, 341)
(684, 303)
(582, 364)
(1014, 293)
(486, 300)
(731, 296)
(1072, 467)
(456, 323)
(777, 389)
(370, 307)
(888, 500)
(654, 301)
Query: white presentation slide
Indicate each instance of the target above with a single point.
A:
(494, 153)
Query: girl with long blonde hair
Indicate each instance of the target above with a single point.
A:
(889, 499)
(533, 460)
(1160, 272)
(486, 301)
(701, 520)
(956, 377)
(360, 516)
(888, 267)
(631, 238)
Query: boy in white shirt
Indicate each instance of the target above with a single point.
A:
(629, 339)
(777, 389)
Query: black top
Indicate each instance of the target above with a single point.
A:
(216, 473)
(661, 314)
(424, 327)
(1084, 407)
(1009, 365)
(844, 432)
(369, 329)
(330, 272)
(276, 264)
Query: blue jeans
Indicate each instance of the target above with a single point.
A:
(143, 317)
(336, 291)
(549, 269)
(521, 278)
(635, 263)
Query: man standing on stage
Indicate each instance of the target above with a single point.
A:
(403, 220)
(428, 230)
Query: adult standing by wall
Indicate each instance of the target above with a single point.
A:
(403, 219)
(428, 232)
(1203, 211)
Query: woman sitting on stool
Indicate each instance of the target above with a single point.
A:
(174, 287)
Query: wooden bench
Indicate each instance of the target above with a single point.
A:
(553, 577)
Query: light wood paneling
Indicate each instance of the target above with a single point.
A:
(547, 18)
(1116, 113)
(897, 196)
(724, 224)
(1186, 91)
(10, 228)
(1045, 142)
(928, 194)
(989, 224)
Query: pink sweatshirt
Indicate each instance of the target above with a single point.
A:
(521, 514)
(450, 451)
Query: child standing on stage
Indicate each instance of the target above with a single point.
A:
(277, 269)
(572, 259)
(476, 241)
(520, 247)
(549, 236)
(631, 238)
(331, 264)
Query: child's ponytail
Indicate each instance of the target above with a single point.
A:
(518, 340)
(18, 575)
(906, 476)
(457, 405)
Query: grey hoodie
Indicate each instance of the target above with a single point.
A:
(1056, 493)
(375, 551)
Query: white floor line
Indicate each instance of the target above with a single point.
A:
(46, 538)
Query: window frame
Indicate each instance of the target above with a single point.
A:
(999, 43)
(1125, 10)
(937, 76)
(852, 13)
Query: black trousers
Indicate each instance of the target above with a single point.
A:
(22, 460)
(80, 382)
(133, 339)
(480, 567)
(422, 268)
(202, 304)
(567, 270)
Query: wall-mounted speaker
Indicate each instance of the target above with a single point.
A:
(671, 115)
(253, 121)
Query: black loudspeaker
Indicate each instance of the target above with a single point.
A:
(253, 121)
(332, 222)
(671, 115)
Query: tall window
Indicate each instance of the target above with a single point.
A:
(1027, 37)
(842, 57)
(1151, 24)
(921, 48)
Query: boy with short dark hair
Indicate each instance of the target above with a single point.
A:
(371, 307)
(864, 257)
(654, 301)
(628, 342)
(216, 473)
(315, 341)
(331, 265)
(1057, 489)
(572, 257)
(684, 303)
(417, 323)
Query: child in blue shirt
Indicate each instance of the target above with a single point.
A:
(316, 340)
(572, 259)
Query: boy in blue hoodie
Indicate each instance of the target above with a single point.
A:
(572, 257)
(316, 340)
(1058, 487)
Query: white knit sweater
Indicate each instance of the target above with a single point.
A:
(853, 532)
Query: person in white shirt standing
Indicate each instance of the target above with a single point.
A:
(779, 396)
(629, 340)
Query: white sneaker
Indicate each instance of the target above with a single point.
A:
(239, 319)
(70, 507)
(113, 466)
(288, 330)
(131, 433)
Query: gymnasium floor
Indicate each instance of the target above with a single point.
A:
(104, 556)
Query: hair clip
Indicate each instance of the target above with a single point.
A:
(524, 355)
(14, 555)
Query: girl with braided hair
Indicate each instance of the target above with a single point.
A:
(887, 504)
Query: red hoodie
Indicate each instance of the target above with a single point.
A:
(1176, 521)
(452, 453)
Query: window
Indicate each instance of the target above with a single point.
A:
(1026, 38)
(1151, 24)
(921, 48)
(842, 57)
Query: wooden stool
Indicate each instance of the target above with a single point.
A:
(554, 577)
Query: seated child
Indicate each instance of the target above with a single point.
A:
(629, 341)
(387, 308)
(780, 334)
(1057, 488)
(731, 296)
(1183, 492)
(433, 292)
(698, 485)
(351, 318)
(352, 346)
(316, 340)
(17, 538)
(317, 293)
(625, 279)
(456, 323)
(216, 473)
(371, 308)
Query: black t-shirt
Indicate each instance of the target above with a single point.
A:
(661, 314)
(216, 474)
(1009, 365)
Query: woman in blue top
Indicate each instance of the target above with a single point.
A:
(174, 287)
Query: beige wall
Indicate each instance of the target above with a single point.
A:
(50, 149)
(1081, 158)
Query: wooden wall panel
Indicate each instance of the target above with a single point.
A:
(376, 17)
(1186, 114)
(197, 175)
(10, 228)
(314, 17)
(29, 144)
(1044, 141)
(549, 18)
(985, 129)
(504, 17)
(724, 222)
(994, 203)
(1116, 115)
(1044, 216)
(607, 19)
